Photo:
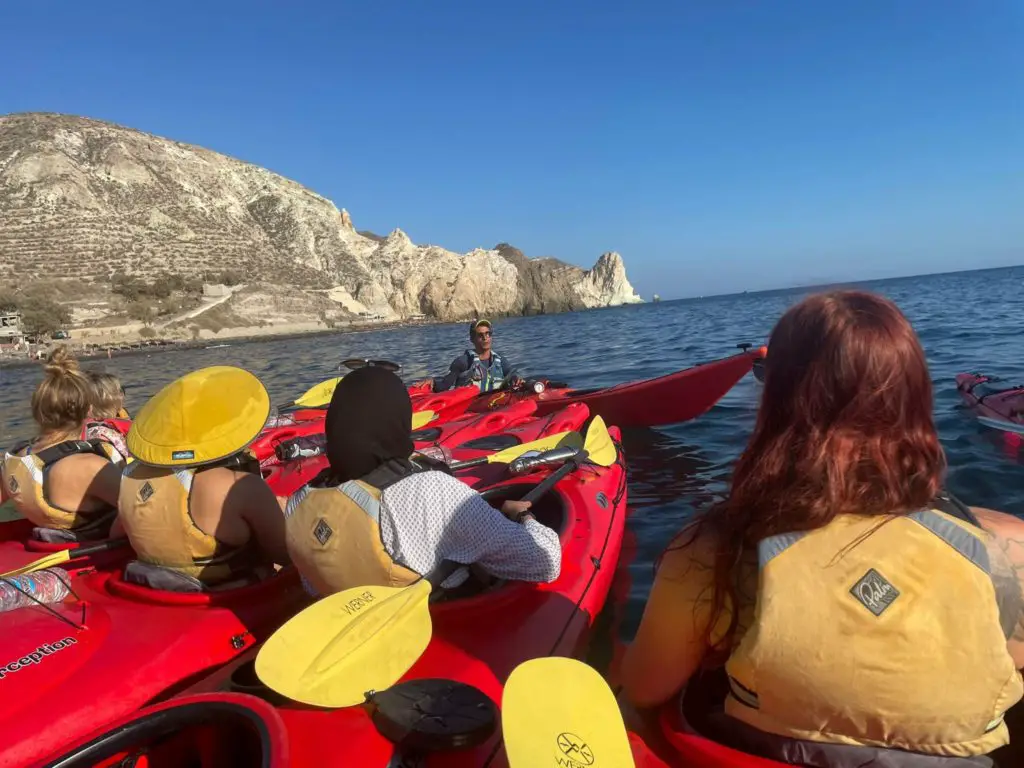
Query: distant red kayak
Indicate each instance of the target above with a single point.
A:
(669, 399)
(997, 407)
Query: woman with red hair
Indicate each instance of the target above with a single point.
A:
(861, 615)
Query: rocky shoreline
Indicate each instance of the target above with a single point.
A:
(148, 347)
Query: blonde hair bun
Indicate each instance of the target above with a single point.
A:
(60, 362)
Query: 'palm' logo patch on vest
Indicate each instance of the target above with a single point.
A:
(146, 491)
(323, 531)
(874, 592)
(13, 485)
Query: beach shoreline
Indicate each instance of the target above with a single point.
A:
(226, 337)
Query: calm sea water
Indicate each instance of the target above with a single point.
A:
(967, 321)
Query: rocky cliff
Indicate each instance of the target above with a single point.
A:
(85, 199)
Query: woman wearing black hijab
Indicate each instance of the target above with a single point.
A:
(374, 518)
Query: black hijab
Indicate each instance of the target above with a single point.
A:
(369, 426)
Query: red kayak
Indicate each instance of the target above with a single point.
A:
(998, 407)
(210, 730)
(669, 399)
(273, 447)
(471, 437)
(303, 422)
(689, 748)
(115, 646)
(681, 743)
(477, 639)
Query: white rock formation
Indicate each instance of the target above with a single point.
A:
(86, 199)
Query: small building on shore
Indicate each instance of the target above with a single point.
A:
(11, 332)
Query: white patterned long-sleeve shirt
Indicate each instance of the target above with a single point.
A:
(429, 517)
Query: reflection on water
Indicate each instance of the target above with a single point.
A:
(967, 321)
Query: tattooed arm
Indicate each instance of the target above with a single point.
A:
(1006, 555)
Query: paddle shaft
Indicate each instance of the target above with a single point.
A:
(455, 465)
(442, 572)
(103, 546)
(545, 485)
(548, 482)
(523, 464)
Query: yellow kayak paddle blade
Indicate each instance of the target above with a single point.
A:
(199, 418)
(599, 445)
(420, 419)
(47, 561)
(559, 711)
(66, 555)
(319, 395)
(559, 440)
(345, 645)
(573, 440)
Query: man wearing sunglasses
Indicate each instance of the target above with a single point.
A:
(481, 365)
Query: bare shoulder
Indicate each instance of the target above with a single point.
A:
(689, 555)
(89, 461)
(79, 467)
(230, 487)
(249, 490)
(218, 479)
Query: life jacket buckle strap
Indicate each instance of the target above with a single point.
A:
(55, 453)
(742, 694)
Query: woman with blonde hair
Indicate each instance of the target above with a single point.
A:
(67, 486)
(108, 403)
(852, 612)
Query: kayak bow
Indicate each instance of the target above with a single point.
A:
(669, 399)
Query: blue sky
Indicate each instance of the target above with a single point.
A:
(719, 145)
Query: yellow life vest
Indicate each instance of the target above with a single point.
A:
(333, 536)
(154, 509)
(26, 477)
(878, 632)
